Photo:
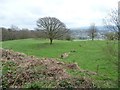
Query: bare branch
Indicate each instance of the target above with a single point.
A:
(52, 27)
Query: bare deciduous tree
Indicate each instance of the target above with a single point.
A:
(92, 33)
(52, 27)
(112, 22)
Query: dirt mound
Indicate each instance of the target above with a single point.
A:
(20, 69)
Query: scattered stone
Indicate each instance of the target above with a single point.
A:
(60, 63)
(65, 55)
(88, 72)
(73, 66)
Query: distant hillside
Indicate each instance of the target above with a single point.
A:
(82, 32)
(101, 28)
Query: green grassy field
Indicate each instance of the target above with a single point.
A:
(88, 55)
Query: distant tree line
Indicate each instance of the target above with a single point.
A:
(15, 33)
(47, 27)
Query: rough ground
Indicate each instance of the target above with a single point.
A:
(19, 70)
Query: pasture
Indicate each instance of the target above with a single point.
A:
(98, 56)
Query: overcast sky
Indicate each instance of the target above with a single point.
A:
(74, 13)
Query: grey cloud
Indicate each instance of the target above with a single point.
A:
(24, 13)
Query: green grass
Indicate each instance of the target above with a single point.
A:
(88, 55)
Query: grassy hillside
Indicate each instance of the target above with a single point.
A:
(22, 71)
(96, 56)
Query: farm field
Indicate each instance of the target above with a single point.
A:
(96, 56)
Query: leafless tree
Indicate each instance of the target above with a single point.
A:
(52, 27)
(92, 32)
(112, 22)
(14, 28)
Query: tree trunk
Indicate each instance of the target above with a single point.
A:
(92, 36)
(51, 41)
(119, 35)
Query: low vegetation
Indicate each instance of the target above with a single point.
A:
(22, 71)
